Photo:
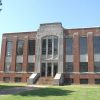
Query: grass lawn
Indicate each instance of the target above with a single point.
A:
(72, 92)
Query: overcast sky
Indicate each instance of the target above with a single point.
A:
(26, 15)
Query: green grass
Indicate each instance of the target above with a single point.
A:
(11, 85)
(73, 92)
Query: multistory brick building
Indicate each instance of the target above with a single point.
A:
(68, 56)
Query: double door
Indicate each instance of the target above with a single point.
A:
(49, 69)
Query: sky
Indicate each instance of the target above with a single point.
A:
(27, 15)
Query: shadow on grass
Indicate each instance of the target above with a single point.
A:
(43, 92)
(7, 86)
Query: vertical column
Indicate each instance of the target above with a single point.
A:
(52, 69)
(25, 54)
(38, 54)
(90, 57)
(13, 62)
(3, 53)
(46, 69)
(61, 54)
(76, 55)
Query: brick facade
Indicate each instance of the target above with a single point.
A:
(75, 33)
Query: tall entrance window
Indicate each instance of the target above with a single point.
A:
(44, 46)
(50, 45)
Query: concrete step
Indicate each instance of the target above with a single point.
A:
(45, 81)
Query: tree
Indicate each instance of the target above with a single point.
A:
(0, 4)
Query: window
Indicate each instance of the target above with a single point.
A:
(9, 48)
(20, 45)
(69, 66)
(83, 66)
(97, 66)
(83, 81)
(69, 46)
(49, 46)
(6, 79)
(17, 79)
(7, 67)
(19, 67)
(43, 69)
(83, 45)
(55, 46)
(97, 81)
(30, 67)
(96, 44)
(68, 81)
(31, 50)
(44, 46)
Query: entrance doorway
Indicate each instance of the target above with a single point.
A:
(49, 69)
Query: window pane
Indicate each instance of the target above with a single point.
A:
(55, 46)
(19, 67)
(7, 67)
(49, 46)
(69, 46)
(30, 67)
(69, 66)
(31, 44)
(83, 66)
(97, 66)
(9, 48)
(83, 81)
(96, 44)
(20, 45)
(44, 46)
(83, 45)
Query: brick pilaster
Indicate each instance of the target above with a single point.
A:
(90, 58)
(25, 54)
(3, 53)
(76, 55)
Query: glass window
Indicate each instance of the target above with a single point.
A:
(69, 66)
(97, 81)
(7, 67)
(19, 67)
(30, 67)
(9, 48)
(20, 45)
(49, 46)
(69, 46)
(44, 46)
(31, 44)
(96, 44)
(6, 79)
(55, 46)
(97, 66)
(17, 79)
(83, 66)
(83, 45)
(83, 81)
(43, 69)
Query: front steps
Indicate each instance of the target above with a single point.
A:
(45, 81)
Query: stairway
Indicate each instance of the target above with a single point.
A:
(45, 81)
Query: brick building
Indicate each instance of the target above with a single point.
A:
(52, 54)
